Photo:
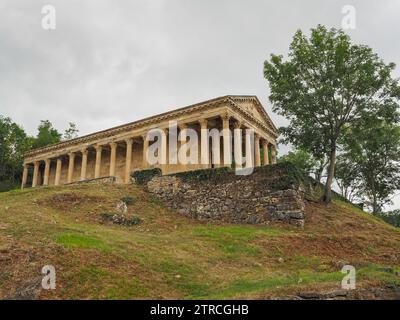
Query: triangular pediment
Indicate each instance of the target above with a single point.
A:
(253, 107)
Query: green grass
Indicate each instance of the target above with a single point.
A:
(102, 284)
(235, 240)
(70, 240)
(240, 287)
(169, 256)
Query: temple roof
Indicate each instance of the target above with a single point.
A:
(248, 105)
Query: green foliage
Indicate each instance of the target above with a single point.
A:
(371, 157)
(301, 159)
(205, 174)
(7, 185)
(143, 176)
(347, 177)
(120, 219)
(47, 134)
(13, 144)
(391, 217)
(289, 175)
(327, 85)
(71, 132)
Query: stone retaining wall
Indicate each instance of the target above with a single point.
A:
(264, 196)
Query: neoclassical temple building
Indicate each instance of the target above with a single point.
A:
(119, 151)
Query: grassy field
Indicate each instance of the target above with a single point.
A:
(168, 256)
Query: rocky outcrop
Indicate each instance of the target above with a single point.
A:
(221, 195)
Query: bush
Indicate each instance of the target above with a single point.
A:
(120, 219)
(204, 174)
(143, 176)
(128, 200)
(7, 185)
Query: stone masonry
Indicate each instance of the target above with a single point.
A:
(219, 195)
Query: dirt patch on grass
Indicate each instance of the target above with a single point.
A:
(70, 199)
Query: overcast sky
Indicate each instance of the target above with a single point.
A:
(112, 62)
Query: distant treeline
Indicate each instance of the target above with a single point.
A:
(14, 142)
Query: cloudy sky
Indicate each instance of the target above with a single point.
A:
(111, 62)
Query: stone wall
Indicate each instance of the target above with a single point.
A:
(271, 193)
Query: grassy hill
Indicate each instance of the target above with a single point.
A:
(169, 256)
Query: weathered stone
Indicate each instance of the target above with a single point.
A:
(230, 198)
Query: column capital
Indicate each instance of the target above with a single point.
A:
(98, 147)
(71, 154)
(84, 151)
(47, 161)
(183, 126)
(225, 116)
(129, 140)
(237, 124)
(113, 144)
(203, 123)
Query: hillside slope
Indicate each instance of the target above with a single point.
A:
(168, 256)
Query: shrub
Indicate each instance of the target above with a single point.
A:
(120, 219)
(128, 200)
(143, 176)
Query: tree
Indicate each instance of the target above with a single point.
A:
(391, 217)
(347, 177)
(13, 144)
(301, 159)
(47, 134)
(372, 152)
(326, 85)
(71, 132)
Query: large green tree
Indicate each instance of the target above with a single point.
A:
(13, 144)
(47, 134)
(301, 159)
(371, 158)
(326, 84)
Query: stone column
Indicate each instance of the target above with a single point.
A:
(58, 172)
(216, 151)
(182, 135)
(71, 165)
(273, 154)
(97, 169)
(163, 151)
(47, 163)
(238, 145)
(265, 153)
(249, 151)
(145, 147)
(113, 158)
(84, 163)
(257, 155)
(24, 176)
(128, 159)
(227, 140)
(35, 173)
(204, 157)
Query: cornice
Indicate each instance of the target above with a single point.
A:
(126, 128)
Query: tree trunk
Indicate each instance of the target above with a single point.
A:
(327, 197)
(374, 206)
(374, 200)
(318, 175)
